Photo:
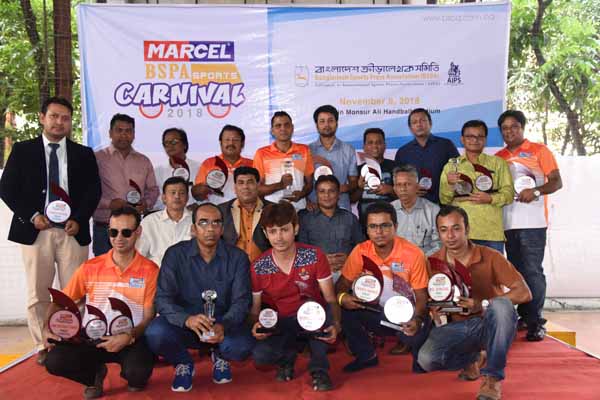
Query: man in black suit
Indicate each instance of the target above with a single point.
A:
(241, 215)
(38, 172)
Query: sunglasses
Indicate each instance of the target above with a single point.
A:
(113, 233)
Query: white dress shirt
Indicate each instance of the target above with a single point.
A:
(164, 172)
(159, 232)
(61, 154)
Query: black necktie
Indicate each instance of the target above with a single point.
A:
(53, 176)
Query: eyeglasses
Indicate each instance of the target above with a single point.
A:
(507, 128)
(384, 226)
(204, 223)
(113, 233)
(171, 142)
(473, 138)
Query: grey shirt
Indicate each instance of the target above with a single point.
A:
(418, 225)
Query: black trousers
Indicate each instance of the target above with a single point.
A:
(79, 362)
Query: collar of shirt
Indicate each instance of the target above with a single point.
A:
(292, 148)
(62, 143)
(164, 216)
(109, 262)
(476, 256)
(418, 205)
(257, 208)
(480, 158)
(318, 211)
(112, 149)
(194, 251)
(230, 165)
(317, 143)
(522, 147)
(431, 139)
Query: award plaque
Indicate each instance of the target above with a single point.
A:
(66, 322)
(425, 180)
(217, 177)
(322, 171)
(180, 168)
(209, 297)
(287, 167)
(97, 326)
(134, 196)
(122, 323)
(399, 309)
(268, 321)
(483, 182)
(447, 285)
(311, 317)
(371, 175)
(464, 187)
(58, 211)
(368, 287)
(522, 183)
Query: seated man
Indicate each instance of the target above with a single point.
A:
(284, 277)
(122, 273)
(335, 230)
(241, 215)
(459, 343)
(396, 258)
(168, 226)
(190, 269)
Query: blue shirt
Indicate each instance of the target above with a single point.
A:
(342, 157)
(428, 160)
(184, 275)
(336, 234)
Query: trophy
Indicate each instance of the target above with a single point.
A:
(483, 182)
(97, 326)
(311, 317)
(367, 287)
(287, 167)
(66, 322)
(399, 309)
(425, 180)
(322, 170)
(180, 168)
(447, 284)
(268, 321)
(217, 178)
(58, 211)
(123, 323)
(134, 196)
(523, 178)
(209, 297)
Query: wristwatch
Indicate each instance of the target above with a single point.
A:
(537, 193)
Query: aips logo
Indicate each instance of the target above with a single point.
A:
(454, 77)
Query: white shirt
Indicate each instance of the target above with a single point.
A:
(159, 232)
(164, 172)
(61, 154)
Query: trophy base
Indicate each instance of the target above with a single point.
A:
(372, 308)
(315, 334)
(272, 331)
(390, 325)
(446, 306)
(207, 336)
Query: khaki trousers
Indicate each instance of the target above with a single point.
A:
(53, 250)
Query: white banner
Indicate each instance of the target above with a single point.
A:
(201, 67)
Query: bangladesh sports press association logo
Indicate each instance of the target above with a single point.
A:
(454, 77)
(184, 78)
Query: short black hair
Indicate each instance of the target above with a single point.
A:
(328, 178)
(379, 207)
(207, 204)
(244, 170)
(368, 131)
(122, 118)
(449, 209)
(516, 114)
(419, 110)
(474, 123)
(174, 180)
(56, 100)
(280, 114)
(182, 136)
(234, 128)
(329, 109)
(127, 210)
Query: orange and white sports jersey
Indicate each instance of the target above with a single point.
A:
(100, 278)
(406, 261)
(211, 164)
(272, 164)
(536, 161)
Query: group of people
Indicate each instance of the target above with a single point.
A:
(236, 236)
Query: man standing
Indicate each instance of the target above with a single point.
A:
(535, 174)
(479, 183)
(329, 151)
(335, 230)
(427, 152)
(286, 168)
(40, 171)
(124, 274)
(198, 277)
(241, 215)
(397, 259)
(490, 320)
(127, 178)
(164, 228)
(416, 215)
(232, 139)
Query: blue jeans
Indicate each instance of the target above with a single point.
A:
(282, 348)
(525, 249)
(492, 244)
(100, 243)
(358, 323)
(457, 344)
(171, 342)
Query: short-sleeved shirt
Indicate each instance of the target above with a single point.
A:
(100, 278)
(537, 161)
(387, 167)
(490, 273)
(342, 157)
(418, 225)
(428, 159)
(228, 190)
(288, 292)
(269, 161)
(405, 260)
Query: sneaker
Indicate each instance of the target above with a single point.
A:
(490, 389)
(521, 325)
(285, 373)
(471, 371)
(321, 381)
(536, 333)
(184, 373)
(97, 390)
(221, 370)
(41, 357)
(358, 365)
